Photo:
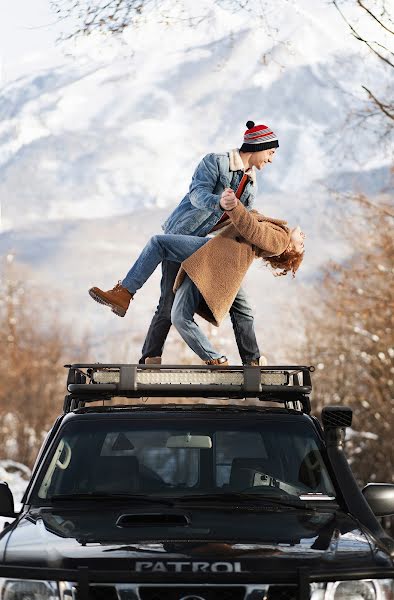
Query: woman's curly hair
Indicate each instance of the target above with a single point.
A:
(289, 260)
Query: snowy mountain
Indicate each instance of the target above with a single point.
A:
(98, 138)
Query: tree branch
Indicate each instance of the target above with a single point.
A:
(385, 108)
(363, 200)
(360, 38)
(359, 2)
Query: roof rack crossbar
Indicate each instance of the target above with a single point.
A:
(127, 378)
(88, 382)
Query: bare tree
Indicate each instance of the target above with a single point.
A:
(35, 345)
(114, 16)
(349, 334)
(380, 15)
(111, 16)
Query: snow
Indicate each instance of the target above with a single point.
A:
(104, 129)
(17, 476)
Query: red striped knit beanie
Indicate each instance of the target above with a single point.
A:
(258, 137)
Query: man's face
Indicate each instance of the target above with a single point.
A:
(260, 159)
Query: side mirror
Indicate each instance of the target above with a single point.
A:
(6, 501)
(380, 497)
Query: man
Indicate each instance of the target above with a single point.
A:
(202, 212)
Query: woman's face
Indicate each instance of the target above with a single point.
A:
(297, 239)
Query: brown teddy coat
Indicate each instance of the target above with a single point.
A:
(218, 267)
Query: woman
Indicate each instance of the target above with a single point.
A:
(211, 271)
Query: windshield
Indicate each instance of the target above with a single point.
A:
(175, 458)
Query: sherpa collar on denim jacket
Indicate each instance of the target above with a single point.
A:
(236, 164)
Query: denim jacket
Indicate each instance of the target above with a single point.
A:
(200, 210)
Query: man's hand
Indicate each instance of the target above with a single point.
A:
(228, 199)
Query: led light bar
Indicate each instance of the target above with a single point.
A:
(192, 377)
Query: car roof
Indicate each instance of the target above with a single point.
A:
(161, 411)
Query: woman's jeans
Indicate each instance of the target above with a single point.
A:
(187, 299)
(173, 249)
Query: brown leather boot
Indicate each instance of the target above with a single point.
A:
(153, 360)
(222, 361)
(118, 298)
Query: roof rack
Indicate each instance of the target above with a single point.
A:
(290, 385)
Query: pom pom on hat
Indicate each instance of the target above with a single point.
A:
(258, 137)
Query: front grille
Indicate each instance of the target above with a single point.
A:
(178, 592)
(99, 592)
(205, 592)
(281, 592)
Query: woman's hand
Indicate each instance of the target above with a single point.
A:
(228, 200)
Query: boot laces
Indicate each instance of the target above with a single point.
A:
(118, 286)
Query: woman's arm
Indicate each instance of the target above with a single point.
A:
(265, 235)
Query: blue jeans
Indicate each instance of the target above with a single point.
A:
(240, 312)
(183, 246)
(187, 299)
(160, 247)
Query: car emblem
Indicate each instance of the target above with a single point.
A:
(193, 597)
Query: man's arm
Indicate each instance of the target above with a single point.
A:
(267, 236)
(203, 183)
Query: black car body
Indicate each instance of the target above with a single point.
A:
(195, 502)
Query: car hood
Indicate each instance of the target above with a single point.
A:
(175, 540)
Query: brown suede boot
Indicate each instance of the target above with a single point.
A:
(118, 298)
(222, 361)
(153, 360)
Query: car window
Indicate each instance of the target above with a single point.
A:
(232, 444)
(124, 456)
(149, 447)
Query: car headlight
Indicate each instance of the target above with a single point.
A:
(363, 589)
(26, 589)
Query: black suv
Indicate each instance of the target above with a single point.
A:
(131, 500)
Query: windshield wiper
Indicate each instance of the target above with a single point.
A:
(237, 496)
(107, 496)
